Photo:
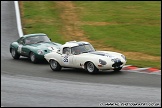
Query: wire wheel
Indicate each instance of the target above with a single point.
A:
(14, 54)
(55, 66)
(91, 68)
(32, 57)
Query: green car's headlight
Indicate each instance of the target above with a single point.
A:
(40, 52)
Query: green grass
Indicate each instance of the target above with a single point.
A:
(132, 25)
(42, 17)
(144, 63)
(134, 12)
(127, 37)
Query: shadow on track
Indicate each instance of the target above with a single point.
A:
(65, 71)
(27, 60)
(84, 72)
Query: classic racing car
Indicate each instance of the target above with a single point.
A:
(33, 46)
(81, 54)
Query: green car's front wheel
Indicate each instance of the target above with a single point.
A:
(33, 58)
(14, 54)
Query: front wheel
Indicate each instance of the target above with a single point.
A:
(14, 54)
(55, 66)
(33, 59)
(91, 68)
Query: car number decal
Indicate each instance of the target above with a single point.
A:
(19, 48)
(52, 48)
(66, 59)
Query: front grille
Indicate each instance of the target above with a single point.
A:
(117, 64)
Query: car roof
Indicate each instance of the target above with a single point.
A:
(74, 43)
(35, 34)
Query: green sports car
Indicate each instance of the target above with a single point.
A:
(34, 46)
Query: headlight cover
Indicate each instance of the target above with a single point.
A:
(124, 57)
(102, 62)
(40, 52)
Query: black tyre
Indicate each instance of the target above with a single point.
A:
(118, 69)
(91, 68)
(55, 66)
(14, 53)
(33, 59)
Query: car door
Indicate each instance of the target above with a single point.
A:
(20, 45)
(67, 57)
(25, 48)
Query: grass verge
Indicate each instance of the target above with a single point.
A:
(123, 26)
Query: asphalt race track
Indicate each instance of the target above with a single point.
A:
(24, 84)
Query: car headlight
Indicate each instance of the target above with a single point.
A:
(40, 52)
(116, 60)
(113, 60)
(124, 57)
(102, 62)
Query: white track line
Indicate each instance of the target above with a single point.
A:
(19, 27)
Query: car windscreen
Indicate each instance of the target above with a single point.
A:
(85, 48)
(36, 39)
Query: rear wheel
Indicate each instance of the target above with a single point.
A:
(33, 59)
(91, 68)
(14, 54)
(55, 66)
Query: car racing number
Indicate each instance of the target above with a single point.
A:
(65, 59)
(19, 48)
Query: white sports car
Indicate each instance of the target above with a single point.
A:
(81, 54)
